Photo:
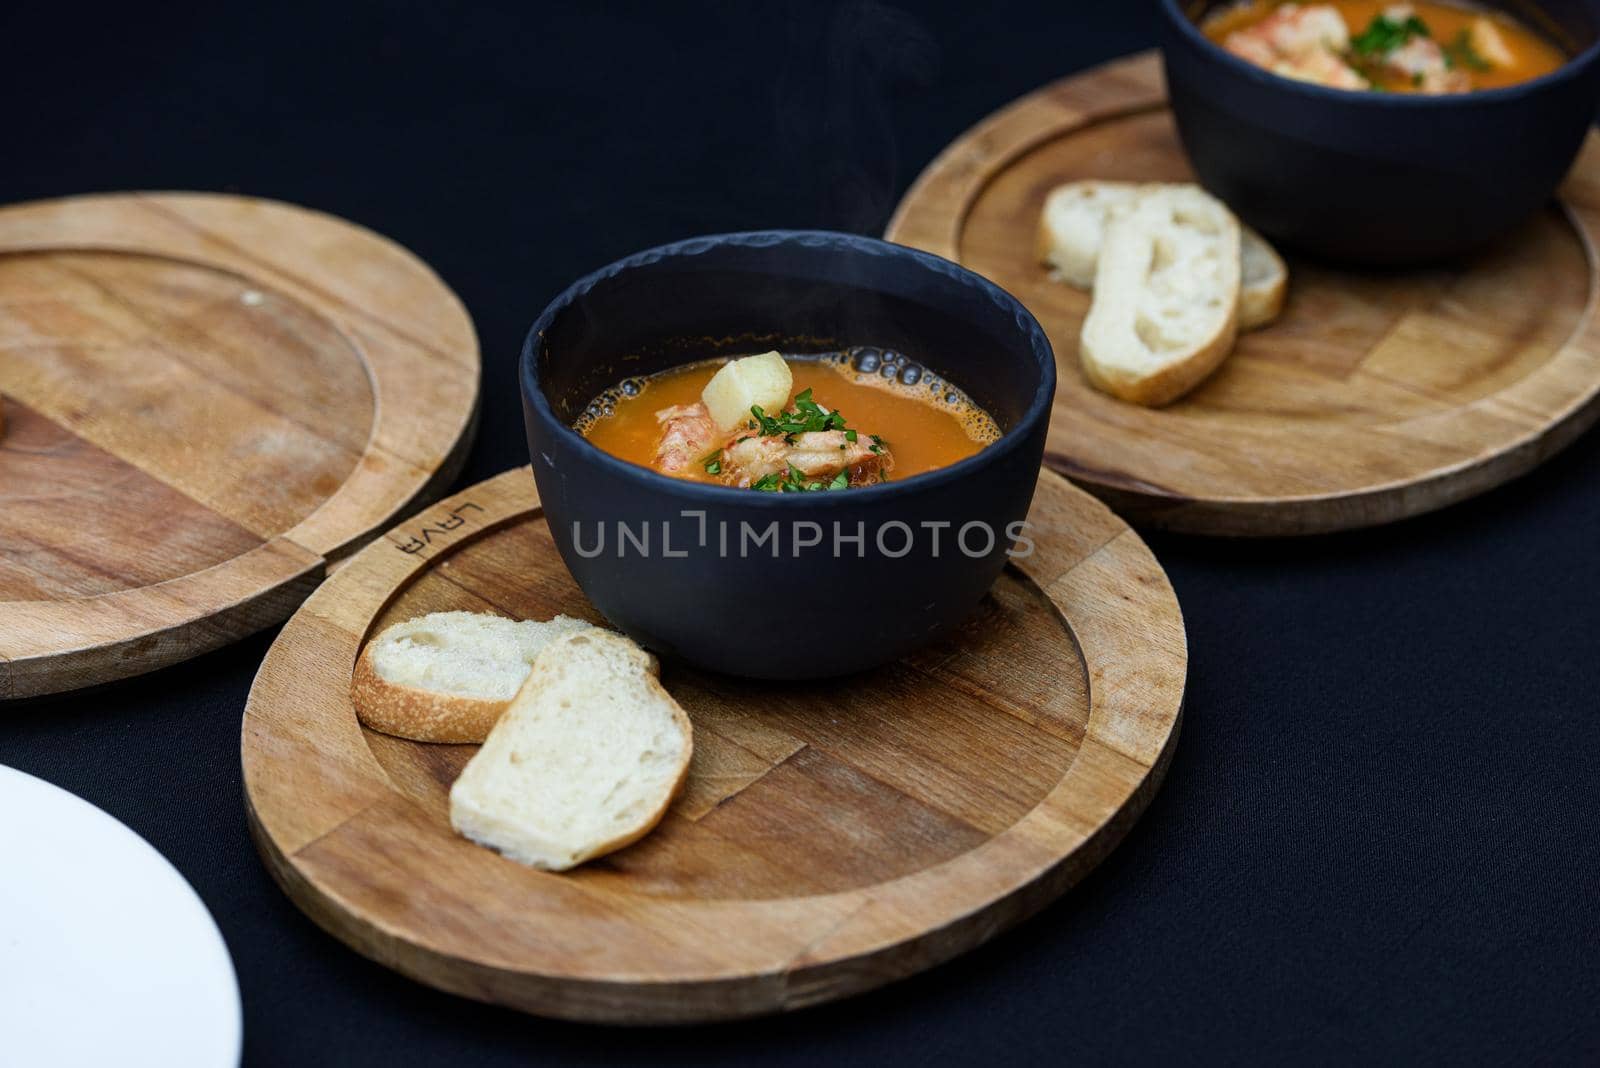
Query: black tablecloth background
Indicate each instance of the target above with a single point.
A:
(1378, 838)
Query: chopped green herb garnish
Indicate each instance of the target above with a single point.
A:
(806, 417)
(713, 463)
(850, 435)
(1384, 34)
(794, 481)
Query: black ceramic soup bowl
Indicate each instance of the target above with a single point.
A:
(1381, 178)
(785, 585)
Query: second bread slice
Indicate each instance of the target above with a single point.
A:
(585, 760)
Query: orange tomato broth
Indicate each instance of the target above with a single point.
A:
(922, 427)
(1534, 55)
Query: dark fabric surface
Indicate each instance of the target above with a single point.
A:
(1379, 838)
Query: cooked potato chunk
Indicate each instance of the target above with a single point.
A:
(1489, 43)
(763, 380)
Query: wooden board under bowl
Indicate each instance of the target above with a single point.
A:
(831, 837)
(1375, 396)
(206, 399)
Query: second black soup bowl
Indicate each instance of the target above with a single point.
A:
(784, 585)
(1380, 178)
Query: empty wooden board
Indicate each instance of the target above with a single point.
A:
(831, 837)
(206, 399)
(1373, 397)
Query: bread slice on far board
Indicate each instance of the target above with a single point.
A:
(1263, 280)
(1073, 224)
(585, 760)
(1166, 297)
(447, 676)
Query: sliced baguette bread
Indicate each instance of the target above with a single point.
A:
(1073, 225)
(1166, 297)
(447, 676)
(1263, 280)
(584, 761)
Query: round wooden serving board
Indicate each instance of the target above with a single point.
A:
(830, 838)
(206, 399)
(1375, 396)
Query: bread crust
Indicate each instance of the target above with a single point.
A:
(1260, 307)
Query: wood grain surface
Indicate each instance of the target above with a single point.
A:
(1375, 396)
(206, 399)
(831, 837)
